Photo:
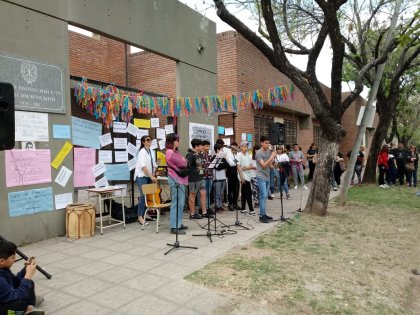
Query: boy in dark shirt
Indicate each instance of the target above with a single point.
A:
(400, 155)
(17, 293)
(358, 167)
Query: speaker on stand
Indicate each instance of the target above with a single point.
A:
(7, 116)
(276, 133)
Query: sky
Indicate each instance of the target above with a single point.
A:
(323, 68)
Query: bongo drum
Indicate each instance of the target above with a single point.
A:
(80, 220)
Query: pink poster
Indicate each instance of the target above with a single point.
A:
(28, 167)
(84, 160)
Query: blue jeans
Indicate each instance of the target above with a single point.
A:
(263, 187)
(283, 178)
(219, 188)
(177, 199)
(141, 209)
(272, 176)
(209, 184)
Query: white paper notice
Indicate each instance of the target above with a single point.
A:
(169, 129)
(131, 149)
(132, 164)
(138, 144)
(63, 176)
(142, 132)
(154, 145)
(31, 126)
(105, 139)
(119, 192)
(160, 133)
(105, 156)
(162, 144)
(228, 132)
(226, 141)
(119, 127)
(98, 169)
(154, 122)
(62, 200)
(132, 130)
(103, 182)
(121, 156)
(120, 143)
(243, 137)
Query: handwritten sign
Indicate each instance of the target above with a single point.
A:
(30, 201)
(142, 123)
(62, 200)
(119, 127)
(132, 164)
(154, 144)
(169, 129)
(31, 126)
(85, 133)
(61, 132)
(132, 149)
(160, 133)
(120, 143)
(154, 122)
(121, 156)
(132, 130)
(84, 160)
(105, 156)
(27, 167)
(62, 154)
(98, 169)
(201, 132)
(63, 176)
(142, 132)
(103, 182)
(229, 132)
(162, 144)
(243, 137)
(117, 172)
(105, 139)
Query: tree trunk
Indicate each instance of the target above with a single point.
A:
(379, 136)
(321, 185)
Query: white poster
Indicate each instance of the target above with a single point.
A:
(154, 122)
(132, 149)
(229, 132)
(132, 164)
(160, 133)
(105, 156)
(138, 144)
(103, 182)
(142, 132)
(105, 139)
(226, 141)
(162, 144)
(63, 176)
(31, 126)
(132, 130)
(98, 169)
(119, 127)
(169, 129)
(154, 145)
(202, 132)
(120, 143)
(62, 200)
(121, 156)
(243, 137)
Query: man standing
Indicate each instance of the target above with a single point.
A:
(207, 173)
(264, 159)
(400, 155)
(232, 175)
(358, 167)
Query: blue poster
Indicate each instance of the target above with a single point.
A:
(249, 137)
(221, 130)
(86, 133)
(117, 171)
(30, 201)
(61, 131)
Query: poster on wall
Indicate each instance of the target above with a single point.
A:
(30, 201)
(202, 132)
(85, 133)
(27, 167)
(31, 126)
(84, 160)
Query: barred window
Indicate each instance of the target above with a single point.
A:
(261, 124)
(317, 134)
(290, 127)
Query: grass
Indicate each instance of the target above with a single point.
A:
(356, 260)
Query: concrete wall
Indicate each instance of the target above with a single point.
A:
(37, 30)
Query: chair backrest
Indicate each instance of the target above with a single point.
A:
(148, 189)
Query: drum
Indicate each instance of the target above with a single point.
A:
(80, 220)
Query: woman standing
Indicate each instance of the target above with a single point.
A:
(255, 189)
(145, 168)
(176, 162)
(383, 165)
(412, 160)
(284, 169)
(311, 156)
(244, 173)
(296, 160)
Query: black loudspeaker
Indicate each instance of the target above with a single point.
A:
(7, 116)
(276, 133)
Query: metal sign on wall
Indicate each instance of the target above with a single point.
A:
(38, 86)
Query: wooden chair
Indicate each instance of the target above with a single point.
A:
(153, 202)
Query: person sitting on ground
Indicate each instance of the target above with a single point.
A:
(244, 173)
(17, 292)
(383, 165)
(296, 161)
(219, 176)
(196, 183)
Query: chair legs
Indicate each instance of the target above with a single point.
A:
(157, 219)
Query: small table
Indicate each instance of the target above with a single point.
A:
(105, 193)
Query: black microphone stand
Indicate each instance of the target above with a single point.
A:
(176, 245)
(46, 274)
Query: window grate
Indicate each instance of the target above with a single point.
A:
(261, 126)
(290, 128)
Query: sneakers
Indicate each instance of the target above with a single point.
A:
(195, 216)
(207, 215)
(304, 187)
(352, 183)
(252, 213)
(268, 217)
(270, 197)
(180, 232)
(231, 208)
(35, 311)
(382, 186)
(295, 187)
(335, 188)
(386, 186)
(288, 197)
(300, 210)
(264, 220)
(244, 211)
(183, 227)
(39, 299)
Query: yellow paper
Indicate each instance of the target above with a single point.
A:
(142, 123)
(62, 154)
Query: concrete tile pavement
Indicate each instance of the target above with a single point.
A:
(126, 271)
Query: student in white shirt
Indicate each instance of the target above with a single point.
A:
(145, 168)
(283, 165)
(219, 180)
(245, 166)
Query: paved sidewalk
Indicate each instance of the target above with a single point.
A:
(126, 271)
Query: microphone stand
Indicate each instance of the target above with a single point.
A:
(176, 245)
(46, 274)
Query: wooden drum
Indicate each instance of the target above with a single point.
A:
(80, 220)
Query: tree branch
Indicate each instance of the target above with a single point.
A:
(289, 34)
